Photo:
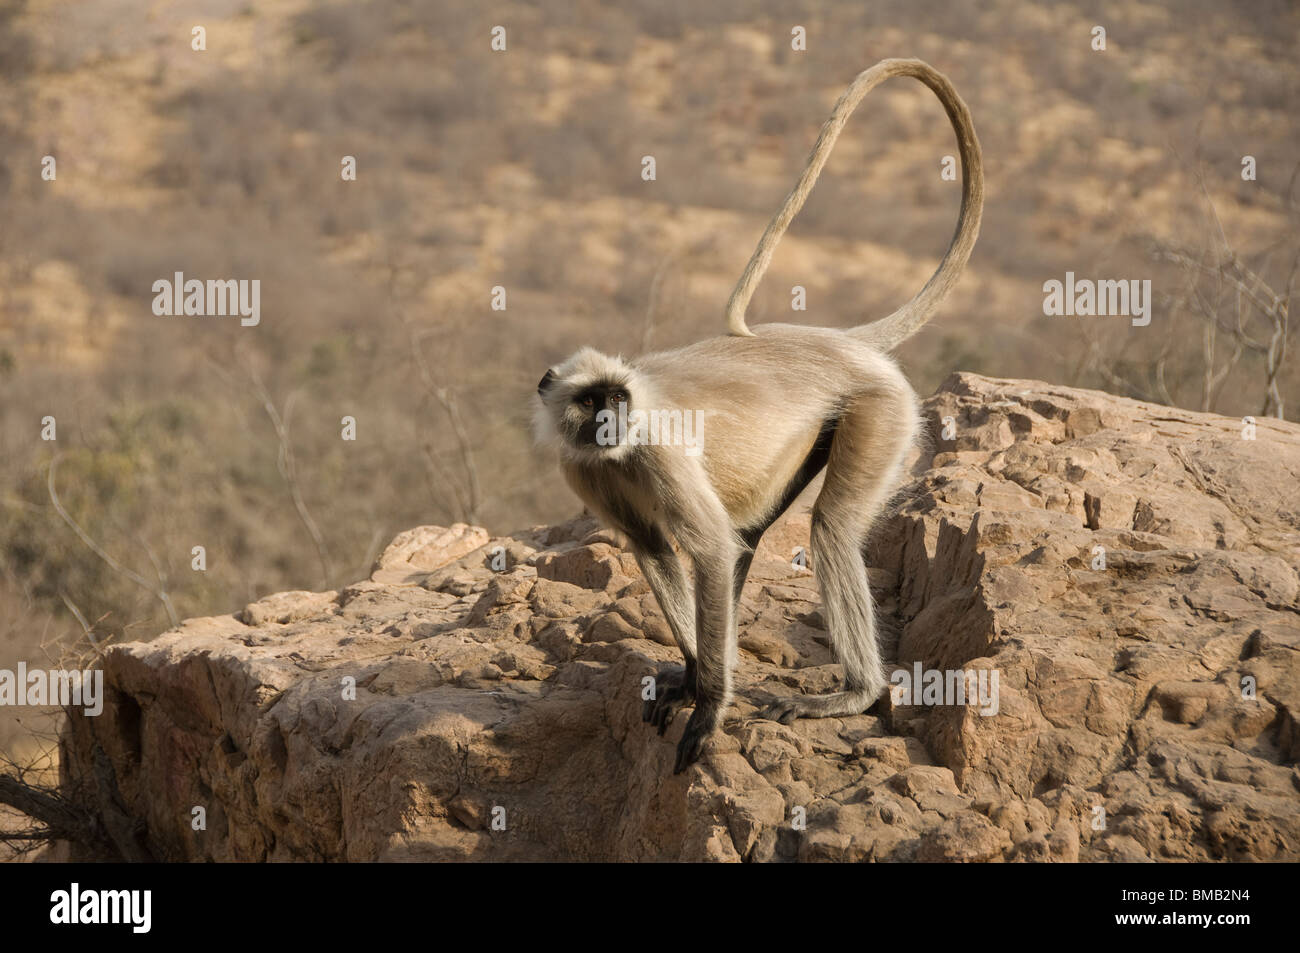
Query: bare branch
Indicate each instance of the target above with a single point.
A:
(160, 574)
(98, 551)
(442, 484)
(289, 471)
(86, 627)
(649, 324)
(445, 399)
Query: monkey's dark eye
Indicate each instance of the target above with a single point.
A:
(617, 397)
(587, 401)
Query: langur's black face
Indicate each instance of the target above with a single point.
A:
(577, 410)
(586, 410)
(582, 403)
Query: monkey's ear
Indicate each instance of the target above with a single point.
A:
(546, 381)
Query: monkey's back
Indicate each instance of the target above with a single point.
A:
(764, 400)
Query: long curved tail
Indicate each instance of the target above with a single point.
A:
(897, 327)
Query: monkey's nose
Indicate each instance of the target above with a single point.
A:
(546, 381)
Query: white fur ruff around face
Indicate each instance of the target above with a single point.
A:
(558, 420)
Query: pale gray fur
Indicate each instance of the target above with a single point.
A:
(765, 396)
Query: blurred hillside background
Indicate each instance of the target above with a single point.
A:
(523, 169)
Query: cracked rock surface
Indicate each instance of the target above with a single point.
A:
(1128, 571)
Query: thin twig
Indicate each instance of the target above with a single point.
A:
(98, 551)
(289, 471)
(649, 324)
(445, 399)
(86, 627)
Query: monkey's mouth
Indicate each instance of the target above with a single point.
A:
(597, 437)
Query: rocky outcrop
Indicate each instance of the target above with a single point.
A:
(1127, 571)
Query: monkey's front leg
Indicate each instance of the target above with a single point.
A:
(674, 690)
(663, 571)
(714, 634)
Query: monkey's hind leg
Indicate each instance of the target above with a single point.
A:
(864, 467)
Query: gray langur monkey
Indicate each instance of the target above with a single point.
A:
(779, 402)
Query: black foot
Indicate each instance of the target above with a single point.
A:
(784, 710)
(674, 690)
(699, 729)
